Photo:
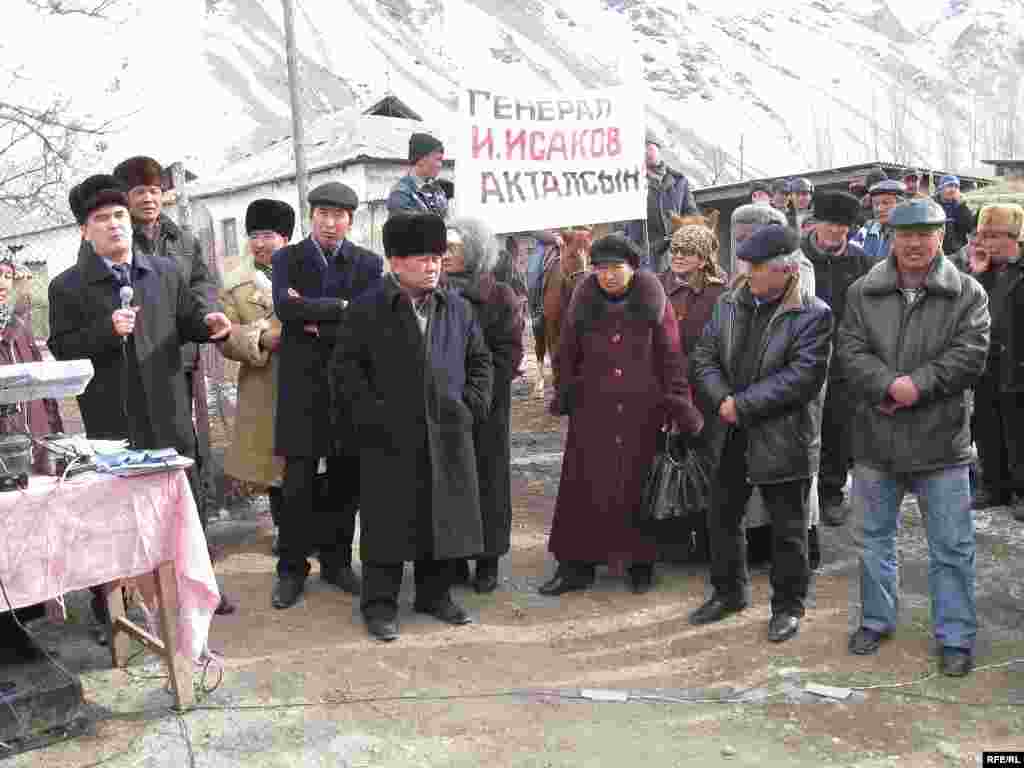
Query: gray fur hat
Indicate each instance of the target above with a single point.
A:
(479, 244)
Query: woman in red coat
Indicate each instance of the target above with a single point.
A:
(621, 376)
(694, 280)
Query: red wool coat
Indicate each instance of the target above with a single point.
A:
(621, 376)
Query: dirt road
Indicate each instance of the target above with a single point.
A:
(307, 686)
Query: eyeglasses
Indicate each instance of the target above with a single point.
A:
(677, 250)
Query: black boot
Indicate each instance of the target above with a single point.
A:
(569, 577)
(641, 577)
(486, 575)
(461, 575)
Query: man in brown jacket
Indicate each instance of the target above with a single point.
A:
(255, 337)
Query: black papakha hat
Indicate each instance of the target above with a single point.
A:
(767, 243)
(836, 208)
(421, 145)
(139, 171)
(412, 234)
(615, 249)
(333, 194)
(96, 192)
(270, 216)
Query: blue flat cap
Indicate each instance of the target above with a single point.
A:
(919, 212)
(889, 187)
(767, 243)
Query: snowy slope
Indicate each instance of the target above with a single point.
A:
(740, 88)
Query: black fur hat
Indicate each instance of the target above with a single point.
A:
(96, 192)
(836, 207)
(421, 145)
(270, 216)
(615, 248)
(139, 171)
(411, 234)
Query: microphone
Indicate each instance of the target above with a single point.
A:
(126, 293)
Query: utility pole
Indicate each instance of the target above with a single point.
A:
(298, 131)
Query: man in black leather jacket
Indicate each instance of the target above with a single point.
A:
(761, 365)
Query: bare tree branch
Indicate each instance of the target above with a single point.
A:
(95, 9)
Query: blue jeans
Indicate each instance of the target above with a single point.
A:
(945, 499)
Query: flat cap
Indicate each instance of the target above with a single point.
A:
(836, 208)
(414, 234)
(760, 186)
(333, 194)
(767, 243)
(888, 187)
(919, 212)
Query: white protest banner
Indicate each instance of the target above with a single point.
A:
(539, 161)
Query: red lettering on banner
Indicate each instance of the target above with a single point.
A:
(481, 144)
(597, 146)
(579, 144)
(614, 142)
(515, 142)
(537, 145)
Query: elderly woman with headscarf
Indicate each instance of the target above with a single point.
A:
(621, 376)
(694, 280)
(468, 268)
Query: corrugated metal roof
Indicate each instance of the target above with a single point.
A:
(332, 141)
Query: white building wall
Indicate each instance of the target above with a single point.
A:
(59, 247)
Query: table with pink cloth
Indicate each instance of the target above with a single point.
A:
(56, 537)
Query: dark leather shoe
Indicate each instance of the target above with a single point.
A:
(865, 642)
(714, 610)
(834, 513)
(641, 578)
(226, 606)
(384, 630)
(485, 577)
(343, 578)
(287, 591)
(446, 610)
(461, 575)
(568, 578)
(956, 662)
(782, 627)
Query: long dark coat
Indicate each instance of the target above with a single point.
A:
(621, 376)
(414, 406)
(82, 300)
(303, 425)
(499, 312)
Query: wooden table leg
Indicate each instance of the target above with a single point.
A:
(179, 668)
(120, 643)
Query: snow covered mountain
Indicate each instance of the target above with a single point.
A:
(739, 88)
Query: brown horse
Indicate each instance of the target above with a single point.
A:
(563, 267)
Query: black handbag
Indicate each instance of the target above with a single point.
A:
(678, 484)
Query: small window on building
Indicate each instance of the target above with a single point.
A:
(229, 228)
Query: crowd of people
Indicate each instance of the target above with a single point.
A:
(850, 339)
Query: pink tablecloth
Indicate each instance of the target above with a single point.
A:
(91, 529)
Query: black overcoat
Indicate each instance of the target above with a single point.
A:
(499, 312)
(152, 381)
(303, 425)
(414, 412)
